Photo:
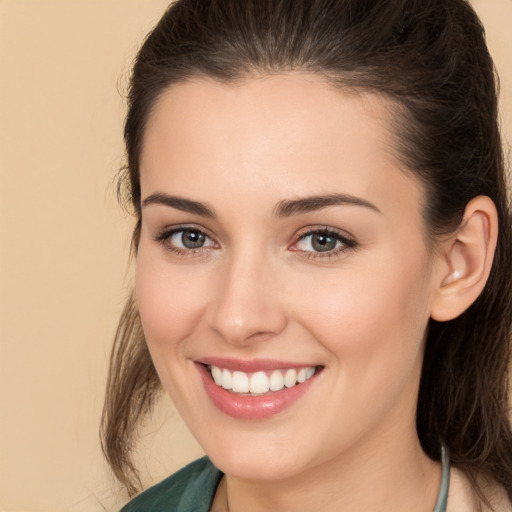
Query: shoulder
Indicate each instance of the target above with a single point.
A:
(463, 498)
(191, 488)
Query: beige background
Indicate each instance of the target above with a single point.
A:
(64, 242)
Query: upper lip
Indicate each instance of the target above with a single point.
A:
(251, 365)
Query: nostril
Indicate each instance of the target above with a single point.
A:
(260, 336)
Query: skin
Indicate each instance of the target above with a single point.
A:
(257, 290)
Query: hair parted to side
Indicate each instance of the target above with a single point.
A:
(430, 58)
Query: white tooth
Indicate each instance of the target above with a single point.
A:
(276, 381)
(240, 382)
(217, 375)
(310, 372)
(227, 379)
(301, 375)
(259, 383)
(290, 378)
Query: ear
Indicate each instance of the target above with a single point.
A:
(465, 260)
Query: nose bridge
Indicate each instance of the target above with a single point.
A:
(246, 305)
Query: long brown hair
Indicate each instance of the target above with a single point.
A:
(430, 58)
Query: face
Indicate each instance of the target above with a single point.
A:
(283, 276)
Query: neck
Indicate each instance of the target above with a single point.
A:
(398, 474)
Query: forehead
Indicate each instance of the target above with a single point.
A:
(279, 135)
(295, 105)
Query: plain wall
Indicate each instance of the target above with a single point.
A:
(64, 243)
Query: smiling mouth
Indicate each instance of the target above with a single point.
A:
(260, 382)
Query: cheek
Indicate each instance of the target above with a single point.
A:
(372, 323)
(375, 314)
(170, 300)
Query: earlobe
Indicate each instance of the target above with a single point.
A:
(466, 260)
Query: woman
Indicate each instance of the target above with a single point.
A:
(322, 258)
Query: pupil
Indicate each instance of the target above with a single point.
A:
(323, 243)
(192, 239)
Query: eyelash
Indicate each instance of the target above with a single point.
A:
(165, 236)
(347, 243)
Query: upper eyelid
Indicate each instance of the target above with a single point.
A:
(311, 230)
(169, 230)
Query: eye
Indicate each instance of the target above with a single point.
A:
(183, 240)
(323, 241)
(319, 242)
(190, 239)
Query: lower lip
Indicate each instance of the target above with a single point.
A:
(251, 407)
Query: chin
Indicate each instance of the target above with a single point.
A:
(256, 467)
(258, 459)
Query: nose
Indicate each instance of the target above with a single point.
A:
(247, 304)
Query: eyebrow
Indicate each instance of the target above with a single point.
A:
(313, 203)
(286, 208)
(180, 203)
